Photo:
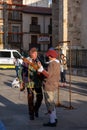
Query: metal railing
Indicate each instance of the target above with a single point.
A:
(78, 58)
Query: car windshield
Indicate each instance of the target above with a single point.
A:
(16, 55)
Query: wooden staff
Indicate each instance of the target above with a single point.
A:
(35, 66)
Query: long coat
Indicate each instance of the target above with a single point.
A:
(52, 81)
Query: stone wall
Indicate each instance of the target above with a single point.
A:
(55, 22)
(68, 23)
(84, 23)
(74, 22)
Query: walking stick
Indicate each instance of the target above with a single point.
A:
(70, 105)
(59, 104)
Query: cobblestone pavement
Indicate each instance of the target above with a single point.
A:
(14, 111)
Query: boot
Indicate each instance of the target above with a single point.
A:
(31, 117)
(36, 114)
(50, 124)
(30, 105)
(53, 121)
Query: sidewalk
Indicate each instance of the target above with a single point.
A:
(14, 111)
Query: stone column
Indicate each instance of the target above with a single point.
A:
(55, 22)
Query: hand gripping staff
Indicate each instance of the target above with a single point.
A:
(35, 66)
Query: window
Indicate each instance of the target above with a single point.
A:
(1, 28)
(5, 54)
(53, 1)
(15, 15)
(44, 47)
(50, 21)
(15, 37)
(1, 38)
(34, 39)
(1, 14)
(34, 20)
(1, 5)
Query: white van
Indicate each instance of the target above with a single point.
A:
(7, 58)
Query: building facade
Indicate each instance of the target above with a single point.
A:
(37, 28)
(11, 24)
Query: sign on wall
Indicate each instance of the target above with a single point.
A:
(43, 39)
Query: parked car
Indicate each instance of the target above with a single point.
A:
(7, 58)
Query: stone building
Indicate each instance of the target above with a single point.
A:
(70, 24)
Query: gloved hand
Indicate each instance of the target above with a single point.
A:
(40, 69)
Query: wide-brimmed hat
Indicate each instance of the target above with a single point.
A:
(52, 53)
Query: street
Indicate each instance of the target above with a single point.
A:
(14, 111)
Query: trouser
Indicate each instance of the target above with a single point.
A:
(34, 106)
(17, 69)
(63, 76)
(50, 104)
(50, 100)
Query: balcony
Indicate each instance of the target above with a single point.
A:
(34, 28)
(15, 16)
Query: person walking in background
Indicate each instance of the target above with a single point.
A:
(63, 68)
(17, 65)
(31, 80)
(51, 83)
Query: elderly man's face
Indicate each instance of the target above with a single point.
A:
(34, 55)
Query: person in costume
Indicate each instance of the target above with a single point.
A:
(30, 79)
(51, 83)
